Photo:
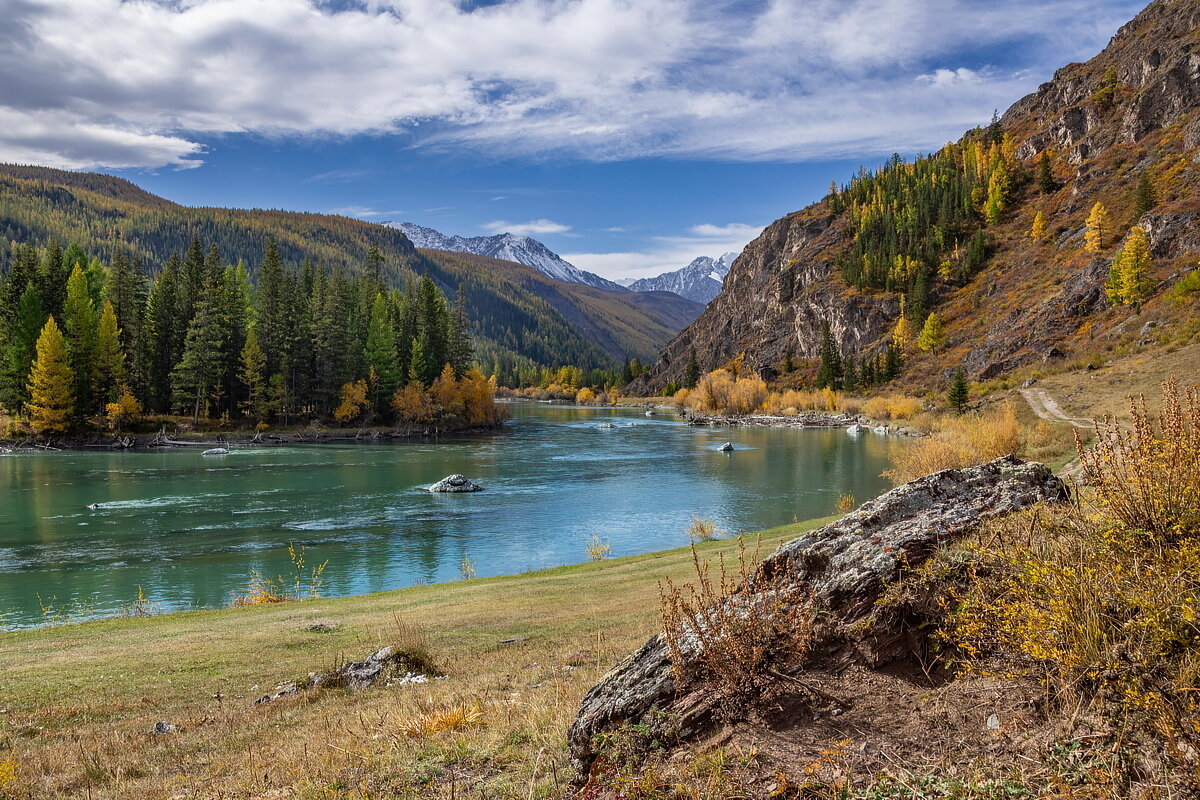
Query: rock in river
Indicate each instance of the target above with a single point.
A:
(216, 451)
(726, 448)
(455, 483)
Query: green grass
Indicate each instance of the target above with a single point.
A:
(78, 700)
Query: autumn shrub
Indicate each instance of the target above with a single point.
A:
(585, 396)
(597, 549)
(429, 723)
(732, 629)
(960, 441)
(703, 529)
(884, 407)
(1147, 476)
(303, 584)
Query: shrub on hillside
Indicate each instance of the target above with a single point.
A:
(960, 442)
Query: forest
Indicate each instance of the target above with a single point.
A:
(90, 344)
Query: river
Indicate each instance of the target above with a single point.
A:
(188, 529)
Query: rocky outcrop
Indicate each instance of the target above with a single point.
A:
(842, 568)
(456, 483)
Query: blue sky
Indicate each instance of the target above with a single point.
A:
(629, 135)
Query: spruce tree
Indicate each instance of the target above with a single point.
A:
(691, 373)
(20, 350)
(461, 349)
(958, 393)
(196, 380)
(51, 406)
(829, 375)
(79, 317)
(1045, 177)
(1144, 198)
(380, 356)
(109, 372)
(52, 279)
(160, 343)
(252, 374)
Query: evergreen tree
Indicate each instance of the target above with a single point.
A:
(51, 405)
(52, 279)
(275, 327)
(691, 373)
(433, 329)
(109, 372)
(959, 393)
(196, 380)
(79, 317)
(125, 289)
(191, 282)
(252, 375)
(1045, 178)
(160, 342)
(461, 349)
(933, 337)
(829, 375)
(892, 363)
(380, 356)
(20, 350)
(1144, 198)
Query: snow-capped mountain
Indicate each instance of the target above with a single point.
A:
(509, 247)
(699, 281)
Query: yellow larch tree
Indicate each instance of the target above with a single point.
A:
(1040, 231)
(1097, 228)
(52, 403)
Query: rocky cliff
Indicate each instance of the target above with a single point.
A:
(1127, 113)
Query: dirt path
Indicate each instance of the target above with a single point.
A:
(1046, 407)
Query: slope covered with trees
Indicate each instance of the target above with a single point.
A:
(1065, 230)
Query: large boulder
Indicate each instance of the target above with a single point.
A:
(455, 483)
(843, 568)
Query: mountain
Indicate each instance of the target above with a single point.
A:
(958, 233)
(517, 317)
(506, 247)
(700, 280)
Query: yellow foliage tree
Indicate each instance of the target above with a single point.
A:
(1129, 278)
(1097, 228)
(933, 336)
(585, 396)
(126, 410)
(902, 333)
(51, 403)
(412, 405)
(354, 401)
(445, 394)
(1040, 230)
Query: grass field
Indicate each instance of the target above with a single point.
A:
(78, 702)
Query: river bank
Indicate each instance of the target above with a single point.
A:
(803, 419)
(162, 440)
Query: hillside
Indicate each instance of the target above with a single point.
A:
(515, 326)
(1120, 126)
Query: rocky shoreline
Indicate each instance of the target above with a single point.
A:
(230, 439)
(805, 419)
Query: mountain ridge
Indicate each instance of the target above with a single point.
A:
(700, 280)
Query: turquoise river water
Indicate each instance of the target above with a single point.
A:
(189, 529)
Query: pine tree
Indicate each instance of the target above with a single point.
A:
(380, 355)
(51, 405)
(252, 375)
(79, 317)
(691, 373)
(1097, 228)
(933, 337)
(1040, 230)
(830, 373)
(275, 326)
(160, 342)
(195, 381)
(109, 372)
(125, 289)
(1045, 179)
(1144, 198)
(191, 282)
(959, 393)
(433, 323)
(52, 279)
(20, 350)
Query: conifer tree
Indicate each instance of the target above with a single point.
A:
(20, 350)
(51, 405)
(79, 317)
(902, 333)
(959, 393)
(191, 282)
(109, 372)
(691, 373)
(461, 350)
(125, 289)
(160, 343)
(1045, 179)
(380, 355)
(52, 279)
(933, 337)
(274, 325)
(830, 373)
(252, 375)
(1097, 228)
(1144, 198)
(1040, 230)
(1129, 278)
(196, 380)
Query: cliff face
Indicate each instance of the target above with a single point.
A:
(1033, 301)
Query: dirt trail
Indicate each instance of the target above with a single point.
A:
(1047, 408)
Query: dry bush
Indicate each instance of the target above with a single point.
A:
(703, 529)
(734, 629)
(1148, 476)
(892, 406)
(303, 584)
(960, 442)
(845, 503)
(597, 549)
(455, 718)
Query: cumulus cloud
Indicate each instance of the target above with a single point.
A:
(139, 83)
(535, 227)
(667, 253)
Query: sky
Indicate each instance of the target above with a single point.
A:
(628, 135)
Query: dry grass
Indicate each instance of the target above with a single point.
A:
(731, 640)
(1148, 476)
(597, 549)
(960, 441)
(846, 503)
(303, 584)
(703, 529)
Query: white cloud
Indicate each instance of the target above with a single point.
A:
(536, 227)
(137, 83)
(667, 253)
(365, 212)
